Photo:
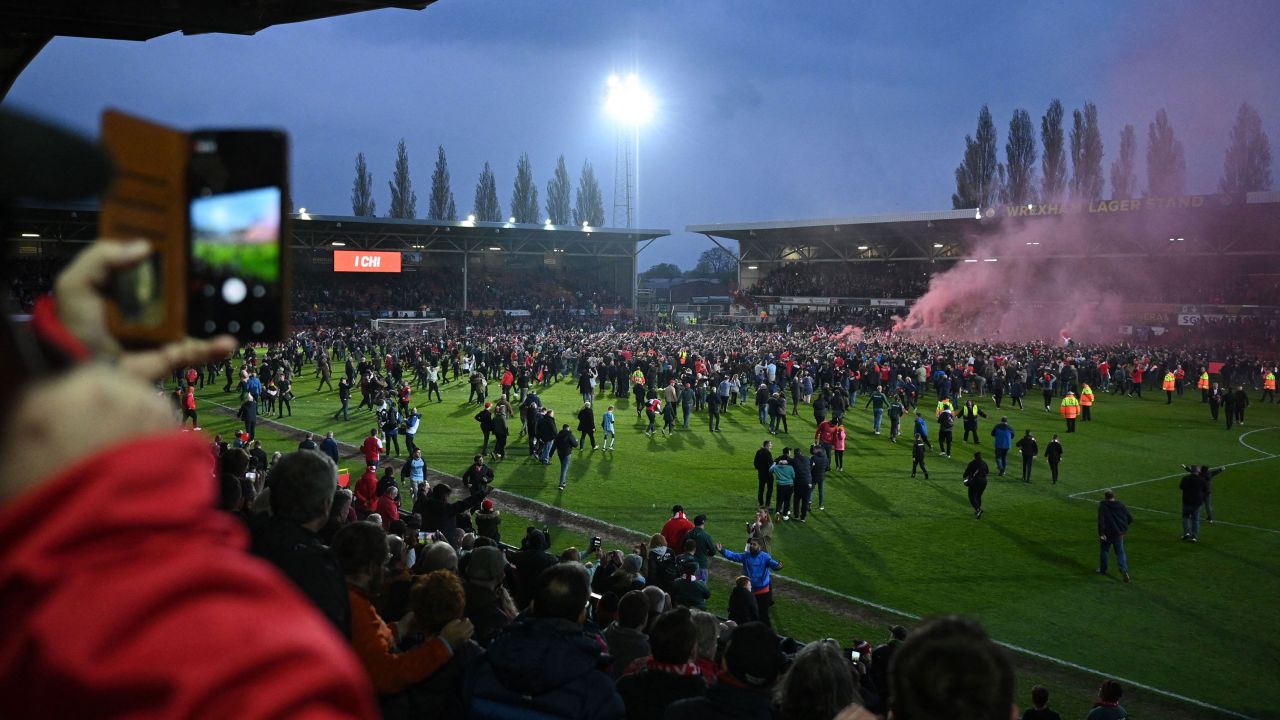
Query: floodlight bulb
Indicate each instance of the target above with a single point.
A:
(471, 218)
(547, 221)
(585, 224)
(512, 219)
(977, 214)
(302, 211)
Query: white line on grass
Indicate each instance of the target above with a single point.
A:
(1267, 456)
(863, 601)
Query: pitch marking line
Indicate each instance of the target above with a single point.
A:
(1266, 456)
(858, 600)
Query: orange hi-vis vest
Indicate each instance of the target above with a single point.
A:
(1070, 407)
(1086, 395)
(1203, 382)
(1269, 381)
(1169, 383)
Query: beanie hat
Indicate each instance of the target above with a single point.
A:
(487, 505)
(486, 564)
(632, 563)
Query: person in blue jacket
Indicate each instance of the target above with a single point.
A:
(756, 564)
(1003, 433)
(921, 430)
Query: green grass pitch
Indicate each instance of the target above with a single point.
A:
(1197, 620)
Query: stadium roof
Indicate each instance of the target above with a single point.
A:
(79, 223)
(1242, 224)
(26, 26)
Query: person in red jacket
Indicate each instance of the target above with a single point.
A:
(160, 641)
(676, 528)
(372, 448)
(388, 505)
(367, 491)
(189, 408)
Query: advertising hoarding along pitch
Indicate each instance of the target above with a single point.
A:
(366, 261)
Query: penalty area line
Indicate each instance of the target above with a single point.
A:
(853, 598)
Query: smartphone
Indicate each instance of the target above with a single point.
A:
(237, 274)
(213, 205)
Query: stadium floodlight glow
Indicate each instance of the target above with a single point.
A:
(977, 214)
(337, 243)
(753, 267)
(495, 248)
(989, 260)
(628, 101)
(862, 247)
(547, 222)
(970, 260)
(30, 235)
(585, 225)
(512, 220)
(937, 245)
(471, 218)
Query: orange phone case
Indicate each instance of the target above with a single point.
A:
(148, 199)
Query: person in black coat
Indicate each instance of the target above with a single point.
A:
(485, 418)
(1029, 449)
(803, 485)
(587, 426)
(975, 478)
(546, 431)
(819, 464)
(441, 516)
(764, 461)
(1053, 454)
(742, 603)
(1113, 522)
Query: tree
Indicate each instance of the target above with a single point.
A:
(441, 206)
(524, 195)
(486, 207)
(588, 206)
(559, 190)
(1086, 154)
(1247, 165)
(404, 201)
(1053, 165)
(716, 261)
(662, 270)
(1124, 179)
(1019, 170)
(362, 204)
(1166, 165)
(976, 184)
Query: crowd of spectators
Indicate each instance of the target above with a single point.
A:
(878, 280)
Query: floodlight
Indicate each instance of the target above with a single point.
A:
(494, 248)
(30, 235)
(628, 101)
(937, 245)
(862, 247)
(512, 219)
(471, 218)
(752, 267)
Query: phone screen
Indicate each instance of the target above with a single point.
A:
(236, 211)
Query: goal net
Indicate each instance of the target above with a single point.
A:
(413, 326)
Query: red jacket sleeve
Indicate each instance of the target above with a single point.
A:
(136, 599)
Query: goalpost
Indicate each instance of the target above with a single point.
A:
(415, 326)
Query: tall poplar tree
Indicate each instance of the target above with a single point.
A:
(1247, 164)
(559, 191)
(1086, 154)
(404, 201)
(362, 204)
(588, 205)
(1124, 174)
(976, 181)
(1020, 161)
(441, 206)
(486, 207)
(524, 194)
(1166, 163)
(1053, 164)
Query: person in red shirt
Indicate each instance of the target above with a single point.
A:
(367, 491)
(676, 528)
(189, 408)
(372, 448)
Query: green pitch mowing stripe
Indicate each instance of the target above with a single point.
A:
(1025, 569)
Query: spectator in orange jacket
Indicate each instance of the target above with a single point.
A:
(362, 551)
